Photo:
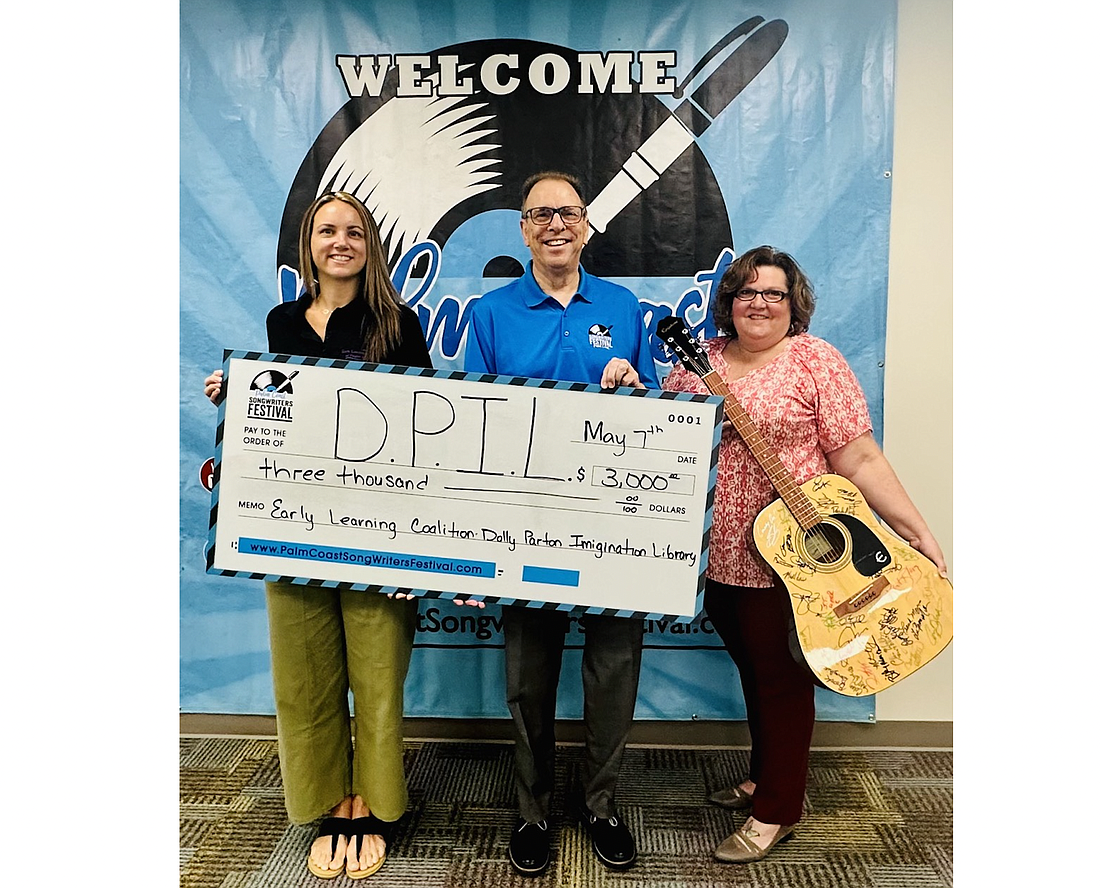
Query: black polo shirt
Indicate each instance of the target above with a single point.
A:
(289, 333)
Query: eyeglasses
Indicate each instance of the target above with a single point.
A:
(747, 294)
(543, 215)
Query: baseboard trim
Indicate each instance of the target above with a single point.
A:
(827, 735)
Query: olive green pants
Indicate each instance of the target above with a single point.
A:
(323, 643)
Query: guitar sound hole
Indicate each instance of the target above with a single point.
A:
(825, 543)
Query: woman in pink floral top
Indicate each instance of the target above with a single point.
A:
(809, 407)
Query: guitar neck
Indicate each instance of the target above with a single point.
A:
(791, 493)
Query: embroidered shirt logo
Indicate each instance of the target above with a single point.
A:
(599, 336)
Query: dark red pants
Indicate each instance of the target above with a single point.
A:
(779, 694)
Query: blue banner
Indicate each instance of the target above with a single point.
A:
(699, 128)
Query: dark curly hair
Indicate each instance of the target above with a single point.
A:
(743, 271)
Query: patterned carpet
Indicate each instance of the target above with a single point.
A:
(874, 819)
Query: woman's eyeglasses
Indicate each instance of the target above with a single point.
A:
(748, 294)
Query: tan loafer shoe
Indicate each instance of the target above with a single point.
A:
(739, 848)
(734, 798)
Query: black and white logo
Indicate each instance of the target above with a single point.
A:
(599, 336)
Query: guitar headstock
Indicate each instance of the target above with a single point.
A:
(675, 334)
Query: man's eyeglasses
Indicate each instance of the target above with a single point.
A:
(747, 294)
(543, 215)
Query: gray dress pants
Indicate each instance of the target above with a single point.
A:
(533, 644)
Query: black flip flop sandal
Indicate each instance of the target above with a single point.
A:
(335, 827)
(369, 826)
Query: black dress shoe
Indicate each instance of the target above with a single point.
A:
(529, 849)
(611, 840)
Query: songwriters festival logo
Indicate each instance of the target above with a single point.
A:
(600, 336)
(437, 145)
(269, 396)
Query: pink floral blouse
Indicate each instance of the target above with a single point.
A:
(806, 403)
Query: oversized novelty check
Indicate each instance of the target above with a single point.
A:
(456, 485)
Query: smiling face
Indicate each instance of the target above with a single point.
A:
(555, 248)
(337, 242)
(758, 323)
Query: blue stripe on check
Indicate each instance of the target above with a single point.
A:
(551, 576)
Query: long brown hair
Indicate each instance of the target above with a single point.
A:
(383, 330)
(800, 290)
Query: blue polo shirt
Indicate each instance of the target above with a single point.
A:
(518, 330)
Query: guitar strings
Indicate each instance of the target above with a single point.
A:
(824, 543)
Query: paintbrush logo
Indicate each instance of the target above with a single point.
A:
(273, 382)
(437, 146)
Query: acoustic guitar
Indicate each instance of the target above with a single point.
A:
(869, 610)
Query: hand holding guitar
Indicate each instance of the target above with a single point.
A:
(865, 465)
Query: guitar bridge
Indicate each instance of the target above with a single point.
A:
(863, 598)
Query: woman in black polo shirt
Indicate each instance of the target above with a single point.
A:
(325, 641)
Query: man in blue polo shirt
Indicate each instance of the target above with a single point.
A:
(559, 322)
